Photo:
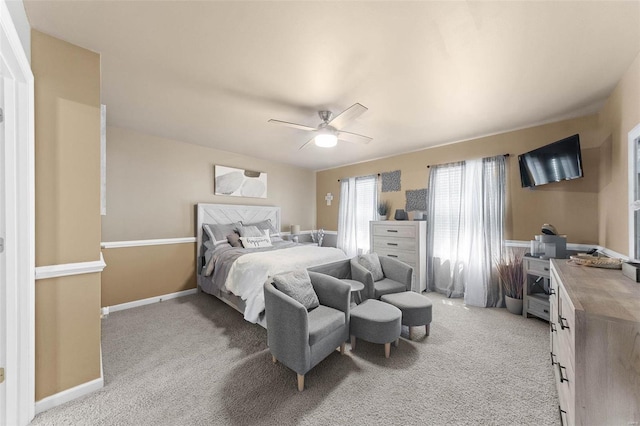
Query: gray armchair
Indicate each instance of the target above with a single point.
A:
(397, 277)
(301, 339)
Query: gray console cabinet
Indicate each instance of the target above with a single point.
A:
(535, 301)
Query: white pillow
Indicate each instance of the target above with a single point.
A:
(256, 242)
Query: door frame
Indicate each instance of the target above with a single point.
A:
(19, 181)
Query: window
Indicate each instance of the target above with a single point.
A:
(358, 198)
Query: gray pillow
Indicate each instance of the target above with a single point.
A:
(218, 233)
(234, 240)
(297, 285)
(266, 224)
(371, 263)
(250, 231)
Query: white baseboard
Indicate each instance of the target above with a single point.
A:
(70, 394)
(147, 301)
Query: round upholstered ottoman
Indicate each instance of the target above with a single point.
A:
(416, 309)
(375, 322)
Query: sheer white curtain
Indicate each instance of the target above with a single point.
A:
(466, 229)
(358, 201)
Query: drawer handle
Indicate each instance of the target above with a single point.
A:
(553, 362)
(392, 255)
(392, 244)
(562, 324)
(553, 327)
(552, 292)
(562, 377)
(546, 269)
(561, 412)
(392, 230)
(546, 311)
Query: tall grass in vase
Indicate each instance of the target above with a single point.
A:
(511, 274)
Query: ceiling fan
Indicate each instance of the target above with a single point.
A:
(327, 133)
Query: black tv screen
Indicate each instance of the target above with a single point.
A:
(557, 161)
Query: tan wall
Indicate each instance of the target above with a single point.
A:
(67, 333)
(571, 206)
(67, 181)
(153, 185)
(620, 114)
(136, 273)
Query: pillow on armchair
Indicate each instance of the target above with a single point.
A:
(297, 285)
(371, 263)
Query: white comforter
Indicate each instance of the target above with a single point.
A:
(249, 272)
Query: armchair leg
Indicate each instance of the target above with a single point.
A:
(342, 346)
(353, 342)
(300, 382)
(410, 333)
(427, 329)
(387, 350)
(273, 358)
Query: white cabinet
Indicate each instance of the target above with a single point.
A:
(405, 241)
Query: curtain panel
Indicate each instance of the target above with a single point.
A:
(466, 210)
(358, 206)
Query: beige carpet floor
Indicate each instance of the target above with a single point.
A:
(195, 361)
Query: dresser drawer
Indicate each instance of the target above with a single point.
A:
(538, 304)
(385, 242)
(538, 267)
(403, 256)
(390, 230)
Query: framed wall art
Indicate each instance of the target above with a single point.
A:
(235, 182)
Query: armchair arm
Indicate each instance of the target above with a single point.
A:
(331, 291)
(397, 270)
(287, 329)
(360, 273)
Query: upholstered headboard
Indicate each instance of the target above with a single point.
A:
(229, 213)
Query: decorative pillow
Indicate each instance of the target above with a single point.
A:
(234, 240)
(297, 285)
(250, 231)
(371, 262)
(266, 224)
(255, 242)
(218, 233)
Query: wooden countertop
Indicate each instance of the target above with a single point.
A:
(600, 292)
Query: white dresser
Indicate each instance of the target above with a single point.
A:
(595, 345)
(405, 241)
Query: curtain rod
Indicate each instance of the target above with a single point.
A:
(429, 165)
(358, 176)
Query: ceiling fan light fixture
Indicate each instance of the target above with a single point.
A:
(326, 140)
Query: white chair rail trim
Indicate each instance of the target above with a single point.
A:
(67, 269)
(571, 246)
(142, 243)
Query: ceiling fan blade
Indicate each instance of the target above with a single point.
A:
(294, 125)
(307, 143)
(353, 137)
(349, 114)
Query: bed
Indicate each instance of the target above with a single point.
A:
(236, 275)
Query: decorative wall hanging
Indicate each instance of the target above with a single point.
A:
(390, 181)
(240, 182)
(416, 199)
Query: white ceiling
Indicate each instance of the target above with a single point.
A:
(212, 73)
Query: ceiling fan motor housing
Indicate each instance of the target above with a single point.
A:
(325, 116)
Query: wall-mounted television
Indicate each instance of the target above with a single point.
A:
(555, 162)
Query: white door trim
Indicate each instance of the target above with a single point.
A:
(20, 228)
